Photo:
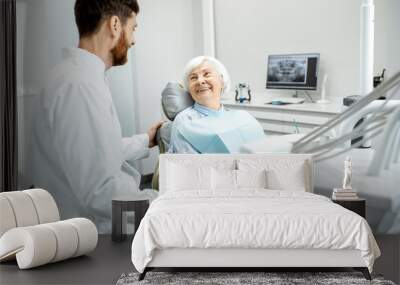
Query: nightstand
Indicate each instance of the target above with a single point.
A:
(356, 205)
(124, 204)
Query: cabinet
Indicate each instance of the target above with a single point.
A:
(357, 206)
(282, 119)
(124, 204)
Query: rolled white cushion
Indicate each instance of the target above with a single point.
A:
(33, 246)
(7, 218)
(46, 207)
(23, 208)
(87, 234)
(26, 208)
(41, 244)
(67, 240)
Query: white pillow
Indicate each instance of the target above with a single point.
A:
(251, 178)
(188, 177)
(226, 179)
(282, 173)
(223, 179)
(292, 178)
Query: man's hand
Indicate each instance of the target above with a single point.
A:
(152, 133)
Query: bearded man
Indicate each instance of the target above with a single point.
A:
(79, 154)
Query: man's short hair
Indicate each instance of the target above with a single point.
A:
(89, 14)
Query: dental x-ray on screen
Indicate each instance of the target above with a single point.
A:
(292, 71)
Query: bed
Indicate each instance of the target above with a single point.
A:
(247, 211)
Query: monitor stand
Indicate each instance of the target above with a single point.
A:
(296, 95)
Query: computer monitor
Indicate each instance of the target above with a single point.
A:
(292, 71)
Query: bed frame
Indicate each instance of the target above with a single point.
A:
(242, 259)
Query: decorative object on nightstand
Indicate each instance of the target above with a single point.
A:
(355, 205)
(347, 174)
(124, 204)
(346, 192)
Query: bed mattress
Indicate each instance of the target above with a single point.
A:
(252, 218)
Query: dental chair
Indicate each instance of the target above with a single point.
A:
(174, 99)
(31, 231)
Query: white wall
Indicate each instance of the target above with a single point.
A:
(168, 35)
(247, 32)
(387, 36)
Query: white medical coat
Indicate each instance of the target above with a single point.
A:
(79, 154)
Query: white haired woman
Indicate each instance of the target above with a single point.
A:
(207, 127)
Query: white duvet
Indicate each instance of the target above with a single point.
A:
(252, 218)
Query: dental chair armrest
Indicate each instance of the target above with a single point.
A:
(163, 136)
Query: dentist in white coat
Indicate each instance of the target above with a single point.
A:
(79, 154)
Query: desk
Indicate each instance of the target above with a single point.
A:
(278, 119)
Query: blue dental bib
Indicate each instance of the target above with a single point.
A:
(222, 133)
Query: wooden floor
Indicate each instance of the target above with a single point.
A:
(110, 260)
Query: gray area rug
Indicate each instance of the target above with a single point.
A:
(229, 278)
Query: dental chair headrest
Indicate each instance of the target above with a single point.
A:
(174, 99)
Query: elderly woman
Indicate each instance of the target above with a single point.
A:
(207, 127)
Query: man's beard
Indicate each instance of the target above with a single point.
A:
(120, 51)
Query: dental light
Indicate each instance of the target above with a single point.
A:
(383, 119)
